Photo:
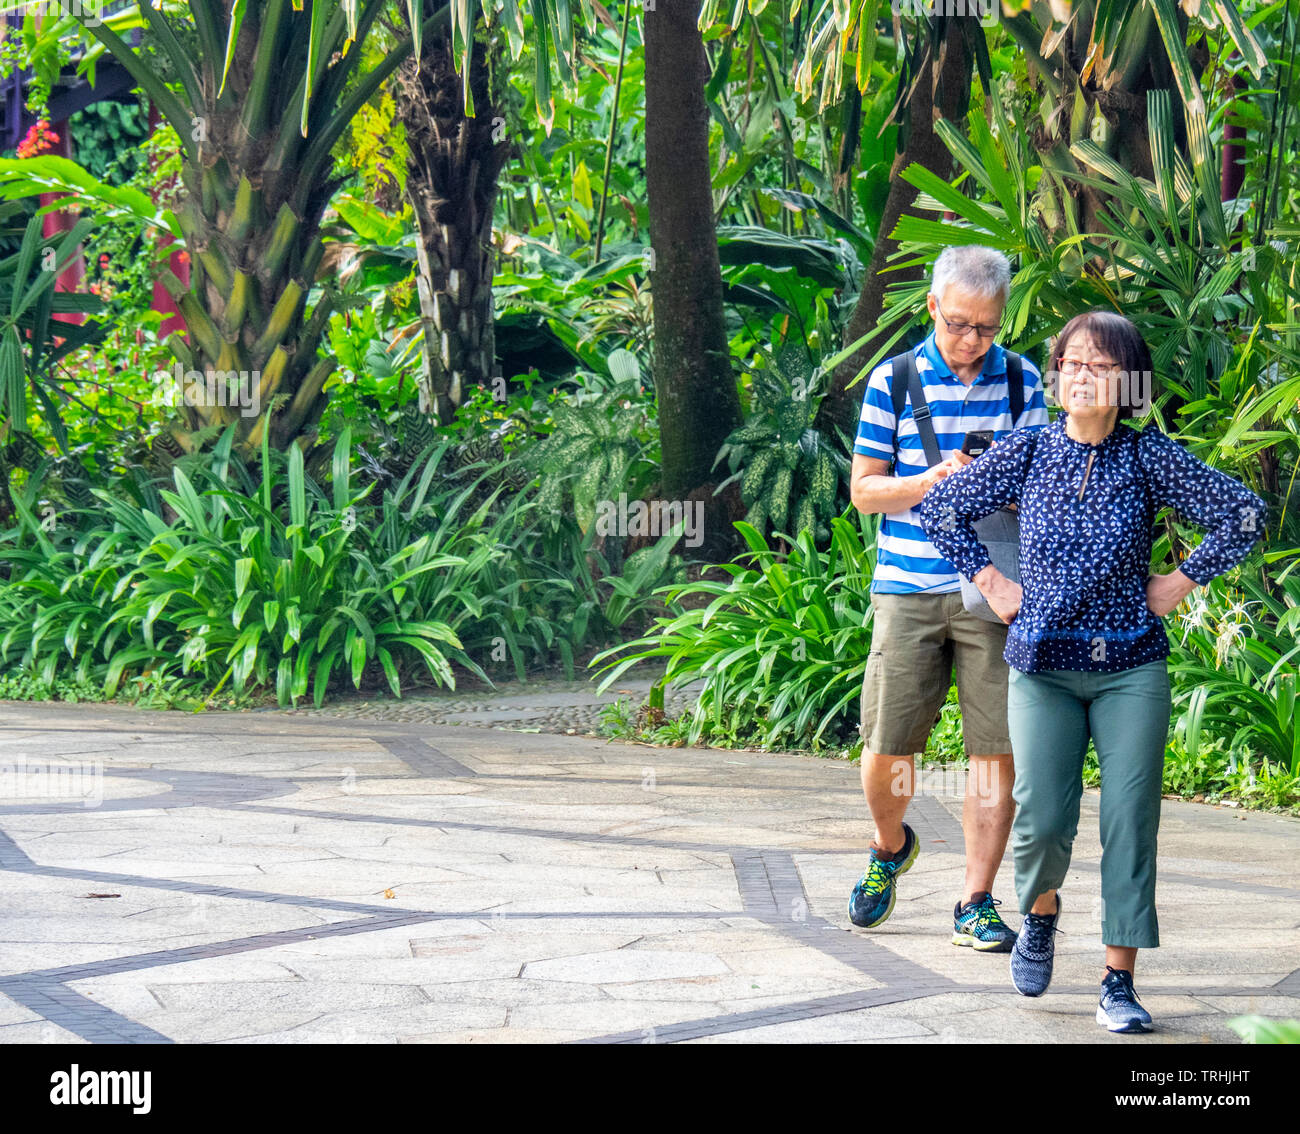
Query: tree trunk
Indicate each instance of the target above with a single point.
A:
(451, 180)
(698, 402)
(939, 93)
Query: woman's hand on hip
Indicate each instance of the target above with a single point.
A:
(1165, 592)
(1002, 595)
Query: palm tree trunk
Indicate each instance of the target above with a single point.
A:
(259, 95)
(452, 175)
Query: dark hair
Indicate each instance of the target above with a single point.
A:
(1120, 339)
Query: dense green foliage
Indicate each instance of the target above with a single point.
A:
(143, 556)
(277, 583)
(782, 646)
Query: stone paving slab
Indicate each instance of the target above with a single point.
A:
(344, 878)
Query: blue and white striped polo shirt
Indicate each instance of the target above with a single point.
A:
(906, 561)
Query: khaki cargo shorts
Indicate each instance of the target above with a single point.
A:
(916, 642)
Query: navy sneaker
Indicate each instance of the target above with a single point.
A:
(1119, 1010)
(1031, 956)
(872, 900)
(979, 925)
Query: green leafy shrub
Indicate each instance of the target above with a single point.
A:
(645, 572)
(946, 743)
(26, 686)
(618, 719)
(231, 580)
(228, 589)
(1235, 666)
(1259, 1029)
(790, 473)
(601, 445)
(106, 136)
(277, 585)
(782, 646)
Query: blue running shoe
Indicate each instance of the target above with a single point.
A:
(1119, 1010)
(979, 925)
(872, 900)
(1031, 956)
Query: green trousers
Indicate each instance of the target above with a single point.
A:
(1051, 716)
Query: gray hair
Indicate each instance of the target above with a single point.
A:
(972, 267)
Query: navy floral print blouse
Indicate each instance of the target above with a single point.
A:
(1085, 556)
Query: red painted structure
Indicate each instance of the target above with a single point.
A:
(178, 261)
(61, 220)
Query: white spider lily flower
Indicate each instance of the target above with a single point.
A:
(1197, 616)
(1230, 633)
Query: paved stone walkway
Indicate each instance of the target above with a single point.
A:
(269, 877)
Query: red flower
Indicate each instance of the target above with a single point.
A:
(38, 140)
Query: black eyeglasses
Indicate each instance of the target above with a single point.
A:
(1069, 367)
(962, 329)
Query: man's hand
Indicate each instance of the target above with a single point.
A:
(936, 473)
(1165, 592)
(1002, 595)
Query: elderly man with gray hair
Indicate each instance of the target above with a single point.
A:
(923, 413)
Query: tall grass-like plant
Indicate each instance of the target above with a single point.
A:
(237, 587)
(782, 646)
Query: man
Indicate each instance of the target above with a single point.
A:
(921, 629)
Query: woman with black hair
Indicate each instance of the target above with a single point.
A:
(1086, 645)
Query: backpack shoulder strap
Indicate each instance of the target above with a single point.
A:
(898, 389)
(905, 382)
(1015, 385)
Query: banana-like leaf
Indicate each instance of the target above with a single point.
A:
(542, 74)
(514, 24)
(814, 259)
(50, 173)
(866, 43)
(565, 44)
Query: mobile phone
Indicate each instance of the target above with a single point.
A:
(977, 442)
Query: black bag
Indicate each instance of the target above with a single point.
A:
(999, 532)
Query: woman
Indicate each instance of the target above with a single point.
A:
(1086, 646)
